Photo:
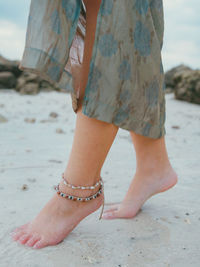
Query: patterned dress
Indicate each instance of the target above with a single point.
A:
(126, 84)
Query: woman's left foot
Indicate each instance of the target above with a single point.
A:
(143, 186)
(55, 221)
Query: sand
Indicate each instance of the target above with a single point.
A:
(34, 149)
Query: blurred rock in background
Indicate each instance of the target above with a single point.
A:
(11, 77)
(184, 82)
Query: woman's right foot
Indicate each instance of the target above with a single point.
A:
(143, 186)
(55, 221)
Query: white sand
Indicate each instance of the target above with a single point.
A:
(34, 154)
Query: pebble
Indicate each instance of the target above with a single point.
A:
(175, 127)
(54, 160)
(53, 114)
(187, 221)
(59, 130)
(3, 119)
(24, 187)
(30, 120)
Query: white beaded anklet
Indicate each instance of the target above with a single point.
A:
(80, 186)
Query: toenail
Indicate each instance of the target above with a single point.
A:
(106, 215)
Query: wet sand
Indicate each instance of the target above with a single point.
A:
(34, 149)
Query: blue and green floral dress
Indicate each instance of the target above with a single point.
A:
(126, 84)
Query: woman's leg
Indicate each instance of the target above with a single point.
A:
(154, 174)
(91, 143)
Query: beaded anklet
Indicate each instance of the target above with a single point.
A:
(77, 197)
(83, 199)
(80, 186)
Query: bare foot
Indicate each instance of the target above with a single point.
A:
(143, 186)
(55, 221)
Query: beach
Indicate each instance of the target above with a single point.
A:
(36, 134)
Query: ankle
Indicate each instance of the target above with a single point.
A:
(79, 192)
(156, 168)
(81, 179)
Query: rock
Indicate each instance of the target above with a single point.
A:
(53, 114)
(30, 120)
(169, 76)
(23, 81)
(175, 127)
(187, 86)
(31, 83)
(46, 86)
(7, 80)
(30, 88)
(28, 83)
(3, 119)
(30, 77)
(184, 82)
(59, 130)
(24, 187)
(20, 83)
(10, 66)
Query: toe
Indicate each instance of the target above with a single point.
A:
(31, 242)
(111, 215)
(24, 238)
(40, 244)
(17, 235)
(22, 227)
(115, 207)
